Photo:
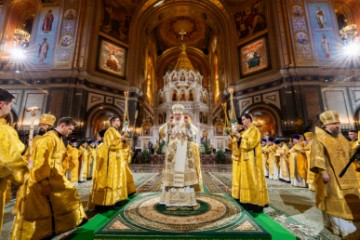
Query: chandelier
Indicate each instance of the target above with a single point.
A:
(349, 33)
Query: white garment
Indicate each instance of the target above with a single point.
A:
(275, 176)
(298, 181)
(343, 227)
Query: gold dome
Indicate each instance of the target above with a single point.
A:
(183, 61)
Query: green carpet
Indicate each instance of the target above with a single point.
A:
(217, 216)
(272, 227)
(103, 222)
(107, 221)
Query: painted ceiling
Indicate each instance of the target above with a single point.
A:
(118, 14)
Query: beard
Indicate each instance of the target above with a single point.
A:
(335, 132)
(178, 121)
(41, 131)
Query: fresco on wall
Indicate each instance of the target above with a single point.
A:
(249, 16)
(254, 57)
(301, 35)
(322, 27)
(45, 37)
(117, 17)
(325, 45)
(111, 58)
(320, 16)
(66, 41)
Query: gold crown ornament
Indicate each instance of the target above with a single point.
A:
(329, 117)
(308, 135)
(177, 108)
(48, 119)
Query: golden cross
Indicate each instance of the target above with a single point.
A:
(182, 33)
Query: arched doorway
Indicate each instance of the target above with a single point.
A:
(267, 119)
(98, 118)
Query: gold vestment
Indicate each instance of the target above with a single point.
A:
(284, 161)
(35, 212)
(298, 161)
(340, 196)
(252, 183)
(272, 158)
(72, 161)
(12, 165)
(110, 183)
(83, 163)
(92, 156)
(27, 154)
(310, 175)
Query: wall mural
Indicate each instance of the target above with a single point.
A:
(111, 58)
(254, 57)
(250, 17)
(301, 35)
(117, 17)
(45, 37)
(322, 25)
(66, 42)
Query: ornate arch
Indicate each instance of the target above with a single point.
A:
(222, 25)
(16, 14)
(96, 113)
(272, 110)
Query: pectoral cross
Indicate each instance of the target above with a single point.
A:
(182, 33)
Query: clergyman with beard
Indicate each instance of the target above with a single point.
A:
(46, 123)
(180, 178)
(338, 198)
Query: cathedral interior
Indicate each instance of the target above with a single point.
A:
(282, 61)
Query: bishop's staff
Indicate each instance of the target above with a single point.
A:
(32, 111)
(232, 115)
(125, 128)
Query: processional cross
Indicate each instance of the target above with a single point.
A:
(182, 33)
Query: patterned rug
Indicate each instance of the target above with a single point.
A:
(216, 216)
(301, 231)
(219, 181)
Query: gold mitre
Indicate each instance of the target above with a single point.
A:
(308, 135)
(177, 108)
(48, 119)
(329, 117)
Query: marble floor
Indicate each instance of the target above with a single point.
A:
(290, 206)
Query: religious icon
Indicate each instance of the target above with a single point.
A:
(302, 38)
(66, 41)
(254, 60)
(112, 58)
(70, 14)
(297, 10)
(173, 96)
(48, 21)
(112, 62)
(43, 50)
(182, 96)
(325, 46)
(191, 96)
(254, 56)
(320, 17)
